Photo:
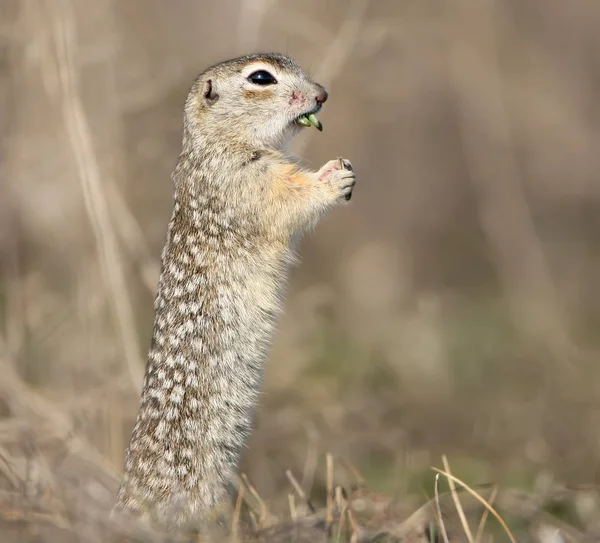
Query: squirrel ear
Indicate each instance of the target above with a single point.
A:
(209, 93)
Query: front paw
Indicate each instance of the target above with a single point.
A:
(339, 176)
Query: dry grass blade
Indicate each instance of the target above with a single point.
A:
(458, 505)
(480, 500)
(235, 523)
(341, 523)
(485, 515)
(292, 504)
(293, 513)
(255, 521)
(95, 200)
(299, 490)
(263, 509)
(438, 509)
(329, 460)
(355, 527)
(343, 508)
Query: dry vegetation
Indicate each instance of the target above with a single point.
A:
(452, 308)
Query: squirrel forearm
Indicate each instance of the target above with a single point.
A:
(300, 197)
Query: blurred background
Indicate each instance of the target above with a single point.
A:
(452, 308)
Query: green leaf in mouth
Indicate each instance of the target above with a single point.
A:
(310, 120)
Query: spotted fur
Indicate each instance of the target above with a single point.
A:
(240, 205)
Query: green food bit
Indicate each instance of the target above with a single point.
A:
(310, 120)
(315, 122)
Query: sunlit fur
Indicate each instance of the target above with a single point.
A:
(240, 205)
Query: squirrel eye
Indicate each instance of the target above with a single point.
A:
(262, 77)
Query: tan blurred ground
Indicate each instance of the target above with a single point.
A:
(453, 307)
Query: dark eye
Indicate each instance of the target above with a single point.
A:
(262, 77)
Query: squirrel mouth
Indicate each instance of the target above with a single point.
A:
(309, 119)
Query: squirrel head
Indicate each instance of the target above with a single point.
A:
(261, 100)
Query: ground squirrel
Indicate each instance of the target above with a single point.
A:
(241, 204)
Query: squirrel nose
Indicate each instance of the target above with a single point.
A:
(322, 95)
